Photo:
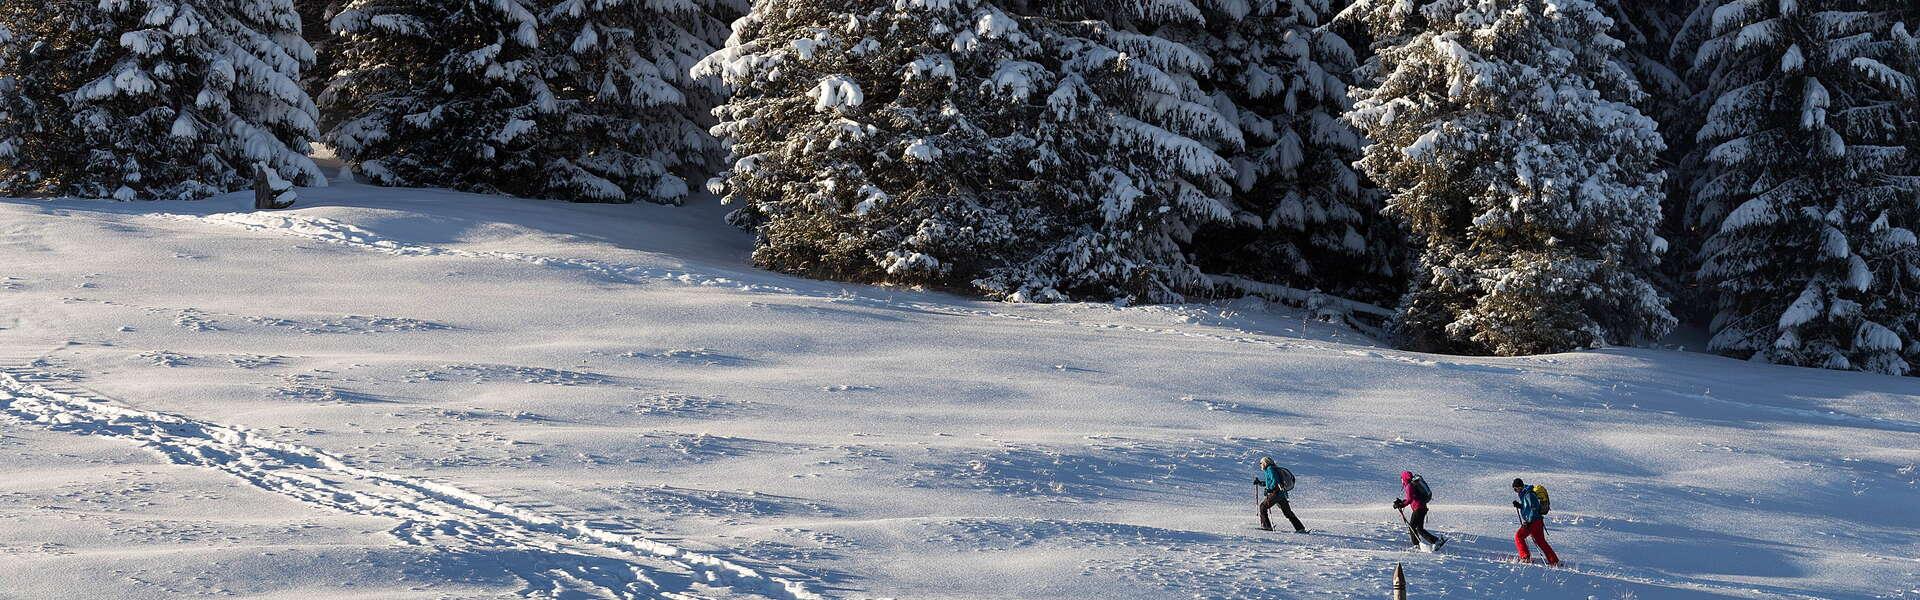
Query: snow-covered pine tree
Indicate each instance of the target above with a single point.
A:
(1892, 257)
(434, 93)
(1131, 164)
(881, 140)
(1649, 29)
(314, 17)
(1802, 183)
(581, 100)
(1030, 152)
(1305, 218)
(712, 26)
(154, 99)
(1690, 221)
(629, 124)
(1506, 137)
(35, 125)
(9, 97)
(21, 113)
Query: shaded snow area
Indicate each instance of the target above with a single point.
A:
(424, 394)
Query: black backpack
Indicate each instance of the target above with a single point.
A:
(1420, 490)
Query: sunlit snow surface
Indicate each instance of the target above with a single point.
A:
(423, 394)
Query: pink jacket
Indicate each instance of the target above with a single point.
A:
(1406, 488)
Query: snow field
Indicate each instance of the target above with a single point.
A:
(429, 394)
(426, 510)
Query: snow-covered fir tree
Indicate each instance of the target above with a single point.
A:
(1506, 136)
(1306, 217)
(429, 93)
(314, 17)
(712, 26)
(1804, 183)
(1649, 29)
(9, 99)
(581, 100)
(873, 142)
(1893, 259)
(1689, 222)
(1132, 166)
(633, 117)
(153, 99)
(34, 130)
(1029, 152)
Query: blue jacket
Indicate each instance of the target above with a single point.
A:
(1270, 478)
(1529, 505)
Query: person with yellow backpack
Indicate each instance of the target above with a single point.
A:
(1533, 506)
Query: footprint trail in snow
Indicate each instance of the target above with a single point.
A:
(553, 556)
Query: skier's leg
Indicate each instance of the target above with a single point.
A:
(1540, 539)
(1286, 508)
(1415, 537)
(1267, 503)
(1420, 526)
(1520, 542)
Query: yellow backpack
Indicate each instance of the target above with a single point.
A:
(1546, 503)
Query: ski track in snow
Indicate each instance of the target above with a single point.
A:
(335, 232)
(559, 555)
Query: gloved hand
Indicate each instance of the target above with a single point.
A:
(1398, 504)
(1516, 504)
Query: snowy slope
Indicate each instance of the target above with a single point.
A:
(424, 394)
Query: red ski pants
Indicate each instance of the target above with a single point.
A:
(1538, 531)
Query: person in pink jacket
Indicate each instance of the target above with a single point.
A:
(1416, 497)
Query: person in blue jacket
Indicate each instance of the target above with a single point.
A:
(1533, 524)
(1271, 482)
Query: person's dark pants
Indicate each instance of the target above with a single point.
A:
(1417, 527)
(1274, 498)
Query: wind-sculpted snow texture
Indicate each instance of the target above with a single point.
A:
(426, 394)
